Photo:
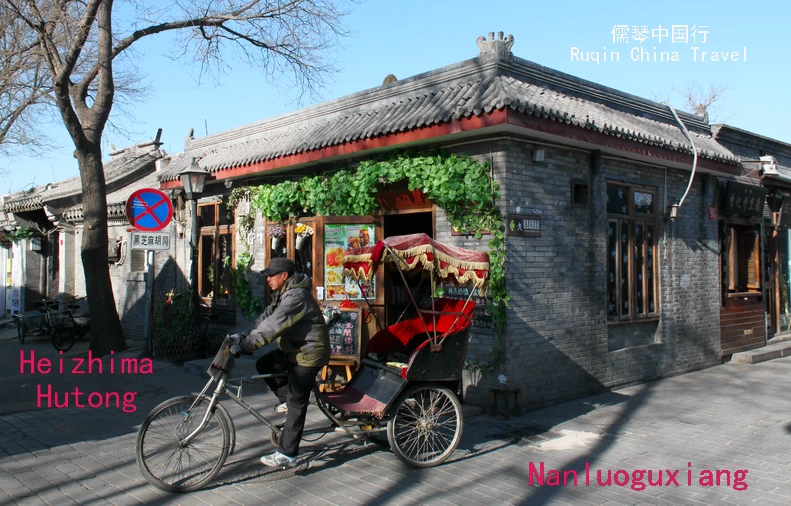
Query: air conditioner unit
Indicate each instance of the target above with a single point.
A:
(768, 166)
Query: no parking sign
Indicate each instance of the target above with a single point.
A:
(149, 210)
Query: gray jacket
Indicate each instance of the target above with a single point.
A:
(294, 318)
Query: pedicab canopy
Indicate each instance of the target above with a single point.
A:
(415, 251)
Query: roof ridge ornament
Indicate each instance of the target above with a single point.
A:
(493, 50)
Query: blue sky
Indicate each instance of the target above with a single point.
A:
(410, 37)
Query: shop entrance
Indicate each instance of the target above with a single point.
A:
(782, 318)
(397, 301)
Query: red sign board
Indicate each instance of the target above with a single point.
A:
(149, 210)
(713, 214)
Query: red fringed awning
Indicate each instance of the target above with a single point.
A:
(458, 265)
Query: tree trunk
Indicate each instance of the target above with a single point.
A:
(106, 333)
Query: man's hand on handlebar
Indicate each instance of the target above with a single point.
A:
(236, 348)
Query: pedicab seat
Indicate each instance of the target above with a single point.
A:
(372, 388)
(409, 339)
(375, 384)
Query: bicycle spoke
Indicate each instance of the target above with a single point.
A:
(426, 427)
(176, 465)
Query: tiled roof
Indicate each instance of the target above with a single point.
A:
(459, 91)
(116, 201)
(749, 146)
(118, 172)
(24, 201)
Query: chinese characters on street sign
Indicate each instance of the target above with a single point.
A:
(150, 240)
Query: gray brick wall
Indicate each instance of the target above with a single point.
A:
(129, 279)
(482, 340)
(559, 344)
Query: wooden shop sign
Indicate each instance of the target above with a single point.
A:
(744, 199)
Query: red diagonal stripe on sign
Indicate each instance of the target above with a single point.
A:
(149, 210)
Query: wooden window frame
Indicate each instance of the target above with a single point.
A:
(214, 231)
(291, 243)
(580, 183)
(734, 232)
(631, 220)
(318, 222)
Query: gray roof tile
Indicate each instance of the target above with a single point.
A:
(117, 171)
(448, 94)
(116, 201)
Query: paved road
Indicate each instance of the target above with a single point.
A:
(729, 418)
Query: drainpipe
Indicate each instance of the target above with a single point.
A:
(673, 210)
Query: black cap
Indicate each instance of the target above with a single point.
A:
(278, 265)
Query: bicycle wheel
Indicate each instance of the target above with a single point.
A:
(62, 339)
(20, 330)
(426, 427)
(169, 465)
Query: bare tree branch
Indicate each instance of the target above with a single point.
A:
(700, 101)
(697, 100)
(77, 44)
(77, 56)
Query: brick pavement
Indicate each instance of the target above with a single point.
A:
(728, 417)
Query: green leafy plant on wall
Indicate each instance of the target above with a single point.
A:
(249, 304)
(460, 185)
(246, 223)
(21, 234)
(245, 300)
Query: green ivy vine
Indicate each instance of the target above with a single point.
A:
(20, 234)
(245, 300)
(246, 222)
(460, 185)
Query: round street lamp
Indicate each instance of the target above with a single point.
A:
(193, 178)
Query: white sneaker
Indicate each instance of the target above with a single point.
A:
(277, 459)
(281, 408)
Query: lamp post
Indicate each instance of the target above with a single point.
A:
(192, 179)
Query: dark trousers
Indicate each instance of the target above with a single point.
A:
(274, 362)
(294, 390)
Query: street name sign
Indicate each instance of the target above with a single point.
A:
(150, 240)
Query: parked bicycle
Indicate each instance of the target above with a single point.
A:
(62, 327)
(38, 322)
(69, 325)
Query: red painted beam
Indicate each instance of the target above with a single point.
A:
(553, 127)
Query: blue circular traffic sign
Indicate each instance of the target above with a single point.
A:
(149, 210)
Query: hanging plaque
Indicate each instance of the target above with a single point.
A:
(744, 199)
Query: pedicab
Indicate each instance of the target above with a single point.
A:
(410, 405)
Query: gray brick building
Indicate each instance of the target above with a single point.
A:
(54, 213)
(611, 291)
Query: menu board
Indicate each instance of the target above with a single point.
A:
(345, 334)
(336, 239)
(481, 317)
